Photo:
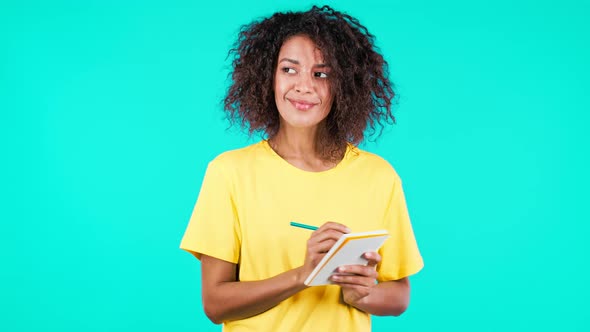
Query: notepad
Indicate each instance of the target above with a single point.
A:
(348, 250)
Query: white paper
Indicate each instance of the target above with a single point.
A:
(348, 250)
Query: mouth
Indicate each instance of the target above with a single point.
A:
(301, 105)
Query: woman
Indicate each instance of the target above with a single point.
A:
(312, 83)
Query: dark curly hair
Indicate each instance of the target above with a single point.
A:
(359, 81)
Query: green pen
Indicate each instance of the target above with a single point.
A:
(296, 224)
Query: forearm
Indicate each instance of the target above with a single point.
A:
(390, 298)
(233, 300)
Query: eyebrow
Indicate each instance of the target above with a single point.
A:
(317, 65)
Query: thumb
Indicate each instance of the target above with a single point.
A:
(372, 258)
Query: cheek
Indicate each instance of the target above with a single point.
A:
(326, 94)
(280, 88)
(323, 89)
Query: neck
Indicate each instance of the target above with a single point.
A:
(298, 147)
(296, 142)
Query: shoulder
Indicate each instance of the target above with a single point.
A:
(374, 164)
(238, 158)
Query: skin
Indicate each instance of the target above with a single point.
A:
(304, 99)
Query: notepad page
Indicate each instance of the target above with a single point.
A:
(348, 250)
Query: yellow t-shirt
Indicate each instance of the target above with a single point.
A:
(249, 196)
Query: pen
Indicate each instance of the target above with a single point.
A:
(296, 224)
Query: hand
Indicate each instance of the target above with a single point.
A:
(357, 280)
(319, 243)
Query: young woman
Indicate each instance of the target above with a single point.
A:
(312, 82)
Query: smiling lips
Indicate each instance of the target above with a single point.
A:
(301, 105)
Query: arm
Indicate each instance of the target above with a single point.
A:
(359, 289)
(389, 298)
(225, 298)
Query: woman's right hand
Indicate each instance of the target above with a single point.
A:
(319, 243)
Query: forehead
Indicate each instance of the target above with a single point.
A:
(301, 48)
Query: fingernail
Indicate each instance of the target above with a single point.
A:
(341, 269)
(348, 230)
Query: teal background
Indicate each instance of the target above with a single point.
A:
(111, 110)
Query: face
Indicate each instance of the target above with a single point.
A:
(301, 84)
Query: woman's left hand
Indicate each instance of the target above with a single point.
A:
(357, 280)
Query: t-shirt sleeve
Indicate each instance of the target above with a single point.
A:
(400, 256)
(213, 228)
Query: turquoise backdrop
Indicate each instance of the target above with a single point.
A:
(110, 111)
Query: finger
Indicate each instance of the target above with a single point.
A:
(321, 247)
(335, 226)
(352, 280)
(372, 258)
(359, 270)
(328, 234)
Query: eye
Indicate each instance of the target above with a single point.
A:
(288, 70)
(320, 74)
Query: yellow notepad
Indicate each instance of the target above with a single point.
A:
(348, 250)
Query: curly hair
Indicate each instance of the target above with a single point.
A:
(359, 81)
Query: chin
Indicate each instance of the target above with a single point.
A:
(300, 123)
(298, 119)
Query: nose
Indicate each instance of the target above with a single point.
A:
(304, 83)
